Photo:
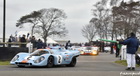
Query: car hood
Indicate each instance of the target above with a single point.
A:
(27, 57)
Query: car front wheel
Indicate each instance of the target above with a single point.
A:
(50, 62)
(73, 62)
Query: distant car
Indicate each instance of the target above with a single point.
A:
(75, 47)
(107, 49)
(46, 57)
(89, 50)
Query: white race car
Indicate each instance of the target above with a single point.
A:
(89, 50)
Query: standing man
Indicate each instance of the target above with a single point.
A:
(39, 44)
(9, 41)
(132, 46)
(23, 40)
(34, 42)
(68, 44)
(118, 47)
(102, 46)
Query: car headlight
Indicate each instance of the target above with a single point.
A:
(94, 52)
(39, 59)
(15, 58)
(82, 52)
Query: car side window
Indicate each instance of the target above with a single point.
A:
(43, 52)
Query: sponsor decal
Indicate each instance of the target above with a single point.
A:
(59, 59)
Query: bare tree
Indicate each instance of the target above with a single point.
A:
(114, 2)
(51, 23)
(101, 14)
(126, 16)
(30, 18)
(45, 22)
(120, 22)
(89, 31)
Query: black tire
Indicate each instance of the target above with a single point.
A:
(21, 66)
(73, 62)
(50, 62)
(137, 60)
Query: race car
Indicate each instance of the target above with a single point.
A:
(89, 50)
(46, 57)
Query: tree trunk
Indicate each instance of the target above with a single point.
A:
(112, 37)
(32, 31)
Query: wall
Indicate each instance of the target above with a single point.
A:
(7, 53)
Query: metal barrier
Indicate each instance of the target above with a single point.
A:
(30, 47)
(10, 44)
(7, 53)
(123, 52)
(17, 44)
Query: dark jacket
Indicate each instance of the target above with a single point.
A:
(132, 44)
(23, 40)
(34, 42)
(68, 44)
(39, 45)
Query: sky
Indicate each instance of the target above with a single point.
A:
(78, 14)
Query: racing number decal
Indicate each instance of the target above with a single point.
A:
(59, 59)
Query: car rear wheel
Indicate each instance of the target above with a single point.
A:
(73, 62)
(137, 60)
(50, 62)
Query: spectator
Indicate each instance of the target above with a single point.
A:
(102, 46)
(39, 44)
(28, 35)
(34, 42)
(23, 40)
(132, 46)
(118, 47)
(10, 40)
(44, 45)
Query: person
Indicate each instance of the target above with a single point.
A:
(68, 44)
(102, 46)
(34, 42)
(10, 40)
(44, 45)
(117, 48)
(22, 39)
(132, 46)
(39, 44)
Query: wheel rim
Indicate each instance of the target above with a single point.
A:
(50, 62)
(74, 61)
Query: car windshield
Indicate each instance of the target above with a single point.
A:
(87, 48)
(39, 52)
(90, 48)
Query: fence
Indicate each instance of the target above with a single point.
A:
(123, 52)
(8, 52)
(12, 44)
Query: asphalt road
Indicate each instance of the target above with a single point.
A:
(101, 65)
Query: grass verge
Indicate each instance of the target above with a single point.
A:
(123, 62)
(4, 62)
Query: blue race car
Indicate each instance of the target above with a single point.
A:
(46, 57)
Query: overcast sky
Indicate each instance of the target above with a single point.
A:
(78, 14)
